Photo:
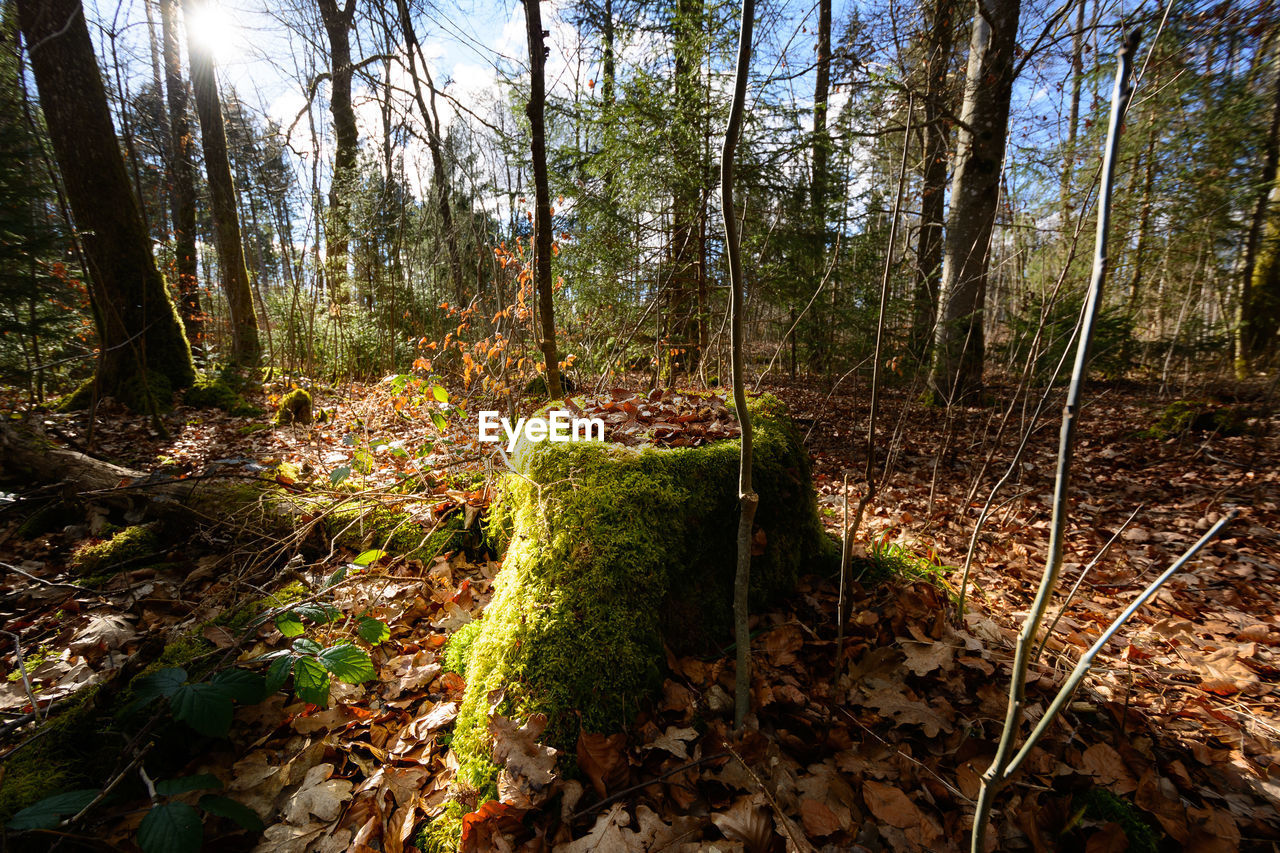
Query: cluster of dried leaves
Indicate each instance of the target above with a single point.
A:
(1179, 719)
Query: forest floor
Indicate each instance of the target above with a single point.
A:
(1173, 742)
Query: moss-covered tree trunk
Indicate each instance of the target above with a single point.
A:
(615, 553)
(141, 343)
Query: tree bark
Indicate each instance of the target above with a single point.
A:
(182, 191)
(245, 347)
(337, 23)
(1259, 308)
(542, 195)
(439, 179)
(138, 329)
(939, 45)
(686, 259)
(958, 345)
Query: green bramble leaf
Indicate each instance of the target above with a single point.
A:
(372, 631)
(229, 808)
(50, 811)
(307, 646)
(290, 625)
(171, 828)
(204, 707)
(348, 663)
(173, 787)
(440, 393)
(241, 685)
(337, 475)
(311, 681)
(277, 673)
(162, 682)
(370, 556)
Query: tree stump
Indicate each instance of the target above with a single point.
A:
(615, 552)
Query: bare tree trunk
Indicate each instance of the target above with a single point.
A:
(439, 179)
(338, 229)
(138, 329)
(979, 158)
(686, 260)
(245, 347)
(181, 174)
(746, 494)
(939, 46)
(1259, 307)
(1073, 118)
(542, 195)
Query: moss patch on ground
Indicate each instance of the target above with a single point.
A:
(100, 558)
(294, 408)
(360, 525)
(1183, 416)
(613, 553)
(221, 390)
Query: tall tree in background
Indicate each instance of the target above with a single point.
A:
(431, 119)
(542, 194)
(939, 43)
(687, 286)
(959, 345)
(1259, 307)
(139, 334)
(245, 347)
(337, 25)
(181, 174)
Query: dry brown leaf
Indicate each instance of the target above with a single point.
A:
(526, 767)
(317, 795)
(1109, 839)
(674, 740)
(749, 821)
(604, 759)
(888, 700)
(1103, 763)
(895, 808)
(818, 819)
(608, 833)
(924, 658)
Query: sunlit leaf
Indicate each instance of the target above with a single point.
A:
(348, 663)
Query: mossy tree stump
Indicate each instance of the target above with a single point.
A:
(613, 553)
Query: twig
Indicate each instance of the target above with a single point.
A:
(42, 581)
(625, 792)
(788, 826)
(996, 774)
(22, 667)
(1066, 602)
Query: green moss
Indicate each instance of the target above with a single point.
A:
(99, 559)
(1101, 804)
(443, 834)
(359, 525)
(294, 408)
(220, 390)
(459, 647)
(614, 553)
(69, 753)
(140, 391)
(1183, 416)
(236, 619)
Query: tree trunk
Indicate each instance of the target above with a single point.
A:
(182, 192)
(933, 186)
(1259, 307)
(138, 329)
(245, 347)
(542, 195)
(337, 23)
(959, 345)
(439, 179)
(1073, 118)
(689, 179)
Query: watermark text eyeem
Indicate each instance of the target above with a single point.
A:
(557, 426)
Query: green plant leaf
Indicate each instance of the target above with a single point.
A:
(229, 808)
(439, 393)
(311, 681)
(370, 556)
(373, 631)
(319, 613)
(172, 787)
(439, 421)
(171, 828)
(336, 578)
(244, 686)
(47, 813)
(337, 475)
(348, 663)
(307, 646)
(277, 673)
(290, 625)
(204, 707)
(162, 682)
